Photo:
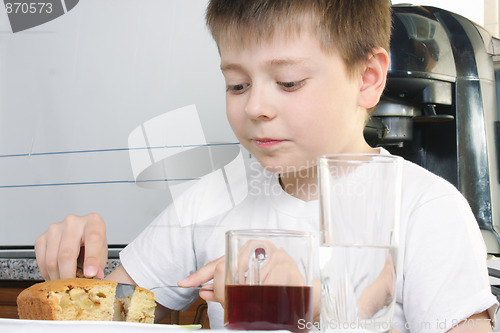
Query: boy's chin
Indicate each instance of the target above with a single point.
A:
(290, 168)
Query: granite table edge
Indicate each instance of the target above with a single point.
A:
(27, 269)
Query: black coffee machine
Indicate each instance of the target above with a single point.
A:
(439, 108)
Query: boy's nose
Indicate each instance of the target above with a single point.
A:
(259, 104)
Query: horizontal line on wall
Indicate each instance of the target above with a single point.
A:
(115, 149)
(99, 182)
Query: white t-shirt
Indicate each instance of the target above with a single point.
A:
(441, 270)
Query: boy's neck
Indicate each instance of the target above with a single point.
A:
(301, 184)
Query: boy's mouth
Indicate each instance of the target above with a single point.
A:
(266, 142)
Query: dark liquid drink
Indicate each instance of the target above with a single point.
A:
(268, 307)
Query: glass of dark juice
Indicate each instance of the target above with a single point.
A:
(269, 284)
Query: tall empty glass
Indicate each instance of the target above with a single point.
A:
(360, 203)
(268, 280)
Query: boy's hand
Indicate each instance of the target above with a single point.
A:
(213, 270)
(280, 269)
(380, 293)
(57, 249)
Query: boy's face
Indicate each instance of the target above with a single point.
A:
(288, 102)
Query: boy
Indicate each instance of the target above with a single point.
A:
(300, 77)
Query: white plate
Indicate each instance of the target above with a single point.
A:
(63, 326)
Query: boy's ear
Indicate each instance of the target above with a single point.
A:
(373, 78)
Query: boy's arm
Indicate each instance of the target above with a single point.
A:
(120, 275)
(480, 322)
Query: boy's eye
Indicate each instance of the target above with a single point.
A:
(291, 86)
(237, 88)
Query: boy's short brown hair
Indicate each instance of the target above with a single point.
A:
(350, 27)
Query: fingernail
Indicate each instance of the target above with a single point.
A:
(183, 281)
(90, 271)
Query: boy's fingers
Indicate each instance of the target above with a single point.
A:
(69, 247)
(217, 295)
(219, 283)
(58, 249)
(208, 296)
(52, 242)
(96, 248)
(40, 247)
(201, 276)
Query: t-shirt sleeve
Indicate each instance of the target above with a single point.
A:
(445, 272)
(161, 256)
(165, 251)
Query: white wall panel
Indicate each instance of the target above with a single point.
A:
(72, 90)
